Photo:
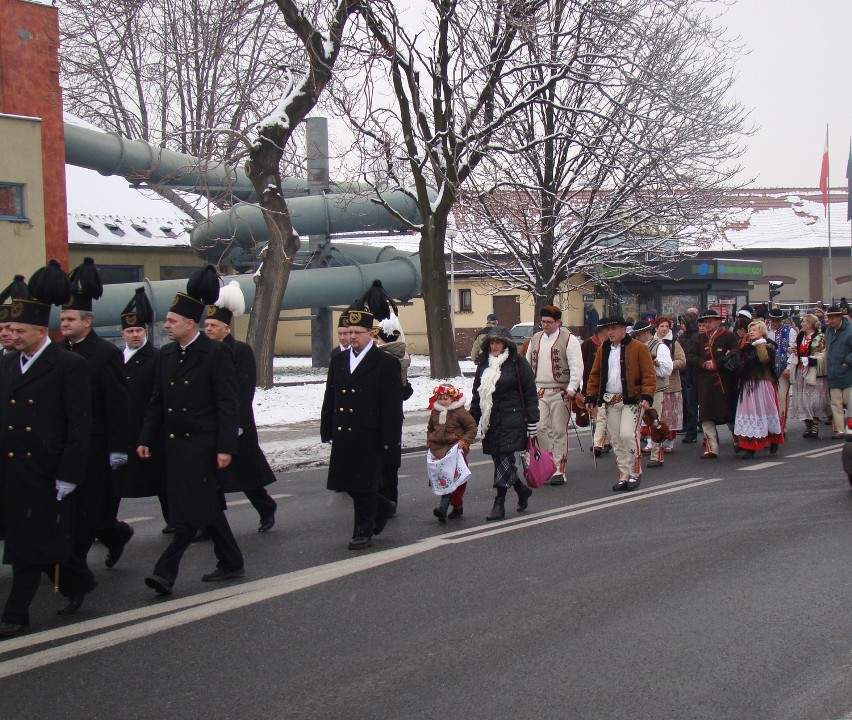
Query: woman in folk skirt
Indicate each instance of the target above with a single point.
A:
(758, 423)
(808, 377)
(672, 407)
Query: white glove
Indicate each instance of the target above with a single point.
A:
(239, 432)
(760, 341)
(64, 488)
(804, 361)
(116, 460)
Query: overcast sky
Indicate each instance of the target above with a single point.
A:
(797, 78)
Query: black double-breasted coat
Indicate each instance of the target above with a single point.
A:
(194, 411)
(249, 468)
(45, 427)
(140, 478)
(362, 417)
(110, 431)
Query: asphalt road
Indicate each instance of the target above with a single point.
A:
(720, 589)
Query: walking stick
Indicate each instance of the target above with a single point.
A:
(593, 424)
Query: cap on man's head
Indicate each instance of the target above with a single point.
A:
(775, 314)
(641, 327)
(492, 319)
(709, 315)
(834, 310)
(551, 311)
(612, 321)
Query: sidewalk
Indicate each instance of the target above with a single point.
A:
(297, 445)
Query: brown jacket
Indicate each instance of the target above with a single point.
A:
(638, 380)
(460, 425)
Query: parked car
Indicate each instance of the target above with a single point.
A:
(847, 447)
(522, 331)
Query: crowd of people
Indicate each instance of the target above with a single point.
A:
(84, 423)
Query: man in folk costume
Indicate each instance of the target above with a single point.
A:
(249, 472)
(194, 409)
(140, 478)
(588, 349)
(45, 408)
(784, 336)
(95, 508)
(622, 379)
(717, 385)
(556, 360)
(643, 331)
(362, 419)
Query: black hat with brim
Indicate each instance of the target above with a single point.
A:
(612, 321)
(709, 315)
(642, 326)
(361, 318)
(187, 307)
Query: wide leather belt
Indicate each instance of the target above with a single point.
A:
(613, 398)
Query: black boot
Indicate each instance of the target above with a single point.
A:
(441, 511)
(524, 494)
(498, 512)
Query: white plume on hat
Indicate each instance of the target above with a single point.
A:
(392, 325)
(231, 298)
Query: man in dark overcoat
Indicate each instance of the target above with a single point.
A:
(362, 419)
(45, 409)
(139, 478)
(95, 510)
(249, 472)
(342, 335)
(194, 409)
(717, 385)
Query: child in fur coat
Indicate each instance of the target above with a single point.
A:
(449, 424)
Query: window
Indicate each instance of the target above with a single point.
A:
(114, 274)
(12, 201)
(465, 301)
(176, 272)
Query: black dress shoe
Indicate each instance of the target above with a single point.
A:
(116, 551)
(266, 523)
(689, 439)
(360, 542)
(747, 455)
(456, 513)
(168, 530)
(201, 536)
(9, 630)
(632, 482)
(620, 486)
(159, 584)
(773, 448)
(219, 574)
(75, 602)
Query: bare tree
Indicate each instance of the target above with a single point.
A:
(621, 160)
(187, 75)
(453, 83)
(321, 35)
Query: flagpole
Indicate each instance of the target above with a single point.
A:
(828, 213)
(849, 203)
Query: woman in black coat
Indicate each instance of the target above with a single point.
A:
(505, 405)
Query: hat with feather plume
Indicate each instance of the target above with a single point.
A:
(17, 289)
(47, 286)
(230, 303)
(86, 286)
(138, 312)
(202, 289)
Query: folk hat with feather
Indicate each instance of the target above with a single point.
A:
(47, 286)
(230, 303)
(202, 289)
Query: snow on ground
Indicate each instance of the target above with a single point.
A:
(301, 399)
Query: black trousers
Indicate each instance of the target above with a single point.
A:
(390, 483)
(73, 576)
(225, 547)
(262, 502)
(367, 506)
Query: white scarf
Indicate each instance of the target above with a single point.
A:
(442, 410)
(487, 384)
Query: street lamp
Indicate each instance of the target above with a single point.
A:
(452, 234)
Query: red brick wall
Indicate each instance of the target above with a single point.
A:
(29, 85)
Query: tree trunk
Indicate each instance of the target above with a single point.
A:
(443, 362)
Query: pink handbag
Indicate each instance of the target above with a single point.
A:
(540, 467)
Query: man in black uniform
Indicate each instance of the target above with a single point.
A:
(44, 436)
(140, 478)
(362, 419)
(94, 506)
(342, 334)
(194, 407)
(249, 471)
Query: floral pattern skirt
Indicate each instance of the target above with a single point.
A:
(758, 423)
(672, 410)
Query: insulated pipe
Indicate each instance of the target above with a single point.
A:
(399, 272)
(136, 160)
(244, 225)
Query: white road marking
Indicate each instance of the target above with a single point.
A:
(137, 519)
(814, 452)
(825, 453)
(182, 611)
(761, 466)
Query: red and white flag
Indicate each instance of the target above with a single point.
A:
(823, 174)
